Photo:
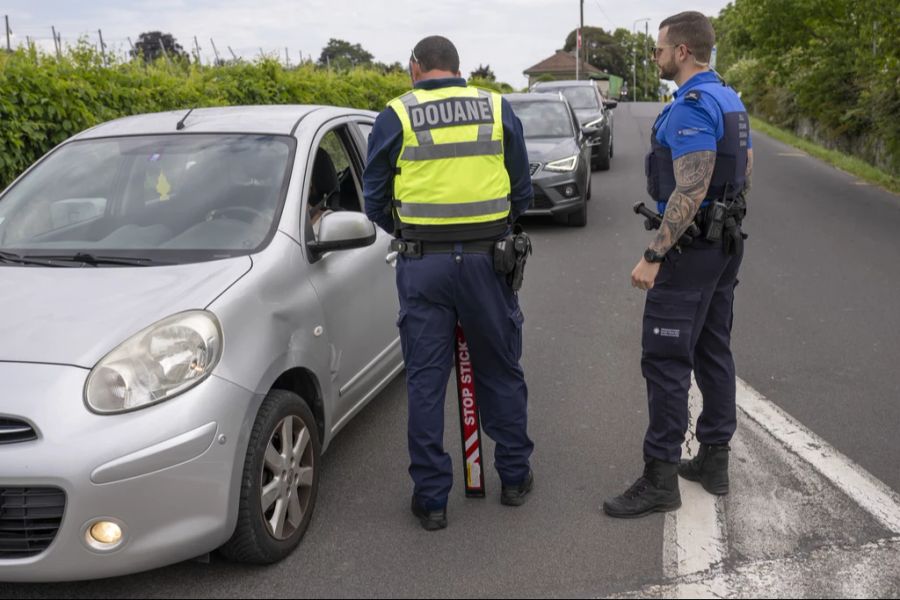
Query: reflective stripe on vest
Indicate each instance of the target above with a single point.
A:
(468, 209)
(451, 169)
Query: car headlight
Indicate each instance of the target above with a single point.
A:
(596, 122)
(563, 164)
(156, 364)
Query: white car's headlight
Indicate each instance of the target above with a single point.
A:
(156, 364)
(563, 164)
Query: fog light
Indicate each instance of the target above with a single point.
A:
(569, 190)
(104, 535)
(106, 532)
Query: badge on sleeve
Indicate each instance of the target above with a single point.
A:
(692, 96)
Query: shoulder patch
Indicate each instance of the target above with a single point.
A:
(692, 96)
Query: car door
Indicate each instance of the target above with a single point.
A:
(355, 287)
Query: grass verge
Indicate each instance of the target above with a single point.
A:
(845, 162)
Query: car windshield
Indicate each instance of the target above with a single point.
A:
(163, 198)
(579, 97)
(541, 119)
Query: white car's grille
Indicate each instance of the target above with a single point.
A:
(29, 519)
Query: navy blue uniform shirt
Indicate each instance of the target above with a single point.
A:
(386, 140)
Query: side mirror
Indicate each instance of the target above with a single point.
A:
(610, 104)
(342, 231)
(589, 131)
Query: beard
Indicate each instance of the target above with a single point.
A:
(667, 71)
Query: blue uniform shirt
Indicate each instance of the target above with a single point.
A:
(695, 122)
(386, 140)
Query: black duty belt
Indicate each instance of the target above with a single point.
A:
(414, 248)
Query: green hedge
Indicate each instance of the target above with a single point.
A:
(44, 100)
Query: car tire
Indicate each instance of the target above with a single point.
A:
(265, 535)
(587, 195)
(605, 155)
(578, 217)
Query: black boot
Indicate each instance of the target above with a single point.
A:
(656, 491)
(431, 520)
(709, 467)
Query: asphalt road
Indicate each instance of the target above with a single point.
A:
(815, 331)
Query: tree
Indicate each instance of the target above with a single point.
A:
(601, 50)
(149, 46)
(340, 54)
(484, 73)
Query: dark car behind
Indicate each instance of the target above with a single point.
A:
(559, 156)
(594, 112)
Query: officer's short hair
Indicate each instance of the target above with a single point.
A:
(694, 30)
(436, 52)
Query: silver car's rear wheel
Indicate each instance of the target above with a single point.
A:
(287, 477)
(279, 483)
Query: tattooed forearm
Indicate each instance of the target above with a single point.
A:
(749, 172)
(693, 173)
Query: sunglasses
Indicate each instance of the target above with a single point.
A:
(657, 50)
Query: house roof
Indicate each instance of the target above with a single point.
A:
(562, 61)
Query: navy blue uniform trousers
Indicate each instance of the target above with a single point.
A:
(436, 291)
(687, 326)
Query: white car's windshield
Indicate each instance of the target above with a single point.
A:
(544, 119)
(163, 198)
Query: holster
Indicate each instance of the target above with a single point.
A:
(510, 255)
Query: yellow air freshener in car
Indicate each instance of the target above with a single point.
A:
(162, 187)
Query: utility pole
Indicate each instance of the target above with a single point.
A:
(233, 55)
(8, 46)
(647, 60)
(287, 58)
(215, 51)
(102, 46)
(163, 48)
(634, 57)
(578, 40)
(197, 49)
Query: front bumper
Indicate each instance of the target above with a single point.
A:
(168, 474)
(549, 192)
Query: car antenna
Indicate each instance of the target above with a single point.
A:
(180, 124)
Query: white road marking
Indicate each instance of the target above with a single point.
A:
(694, 545)
(868, 492)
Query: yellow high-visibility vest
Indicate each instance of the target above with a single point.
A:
(451, 169)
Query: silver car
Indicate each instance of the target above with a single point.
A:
(191, 307)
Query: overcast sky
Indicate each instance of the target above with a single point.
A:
(509, 35)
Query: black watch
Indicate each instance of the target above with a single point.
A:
(652, 256)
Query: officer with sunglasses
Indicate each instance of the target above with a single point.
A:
(698, 171)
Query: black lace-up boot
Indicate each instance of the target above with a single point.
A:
(656, 491)
(709, 467)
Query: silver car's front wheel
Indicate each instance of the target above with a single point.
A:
(279, 483)
(287, 477)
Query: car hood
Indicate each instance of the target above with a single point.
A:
(550, 149)
(75, 316)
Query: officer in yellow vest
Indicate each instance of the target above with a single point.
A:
(447, 174)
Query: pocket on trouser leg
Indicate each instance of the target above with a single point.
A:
(669, 322)
(515, 341)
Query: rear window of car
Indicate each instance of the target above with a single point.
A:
(579, 97)
(541, 119)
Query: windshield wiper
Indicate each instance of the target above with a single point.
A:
(94, 260)
(9, 257)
